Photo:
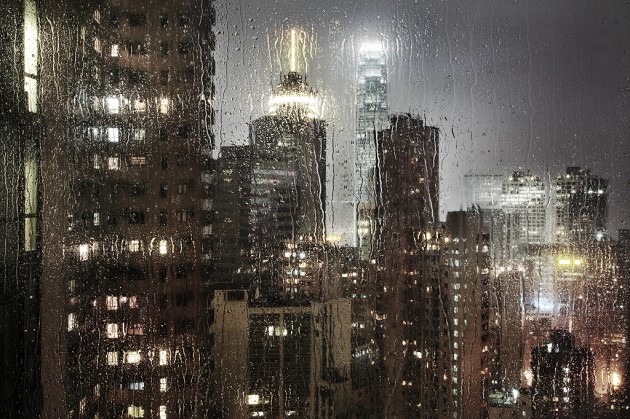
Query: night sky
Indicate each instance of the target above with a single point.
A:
(539, 85)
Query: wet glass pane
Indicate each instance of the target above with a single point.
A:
(315, 209)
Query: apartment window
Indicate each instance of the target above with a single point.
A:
(182, 189)
(136, 386)
(97, 16)
(111, 331)
(111, 302)
(134, 246)
(140, 105)
(163, 134)
(164, 163)
(135, 411)
(112, 358)
(164, 77)
(163, 384)
(164, 21)
(163, 357)
(163, 247)
(134, 301)
(185, 47)
(164, 105)
(97, 162)
(137, 161)
(136, 329)
(97, 45)
(137, 48)
(163, 218)
(115, 50)
(113, 134)
(137, 20)
(163, 330)
(183, 131)
(163, 190)
(137, 190)
(72, 322)
(139, 134)
(184, 20)
(136, 217)
(133, 357)
(137, 77)
(162, 411)
(113, 105)
(163, 273)
(164, 48)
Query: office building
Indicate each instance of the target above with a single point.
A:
(371, 117)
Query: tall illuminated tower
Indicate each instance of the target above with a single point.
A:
(371, 116)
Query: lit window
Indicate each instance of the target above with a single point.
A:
(97, 45)
(113, 105)
(253, 399)
(139, 134)
(162, 412)
(134, 246)
(133, 357)
(135, 411)
(136, 386)
(111, 302)
(163, 357)
(164, 104)
(84, 252)
(113, 163)
(115, 50)
(139, 105)
(112, 358)
(137, 161)
(82, 405)
(163, 247)
(112, 331)
(133, 302)
(163, 384)
(113, 134)
(72, 322)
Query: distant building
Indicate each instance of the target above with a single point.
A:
(283, 359)
(562, 378)
(371, 117)
(581, 207)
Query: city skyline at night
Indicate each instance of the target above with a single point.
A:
(225, 209)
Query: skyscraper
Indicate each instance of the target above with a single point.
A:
(372, 113)
(126, 252)
(283, 348)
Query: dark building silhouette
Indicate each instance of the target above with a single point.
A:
(563, 377)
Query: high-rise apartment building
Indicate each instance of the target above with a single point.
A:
(128, 120)
(408, 286)
(286, 359)
(371, 116)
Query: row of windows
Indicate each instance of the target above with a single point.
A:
(115, 134)
(140, 20)
(114, 162)
(141, 48)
